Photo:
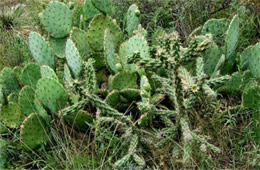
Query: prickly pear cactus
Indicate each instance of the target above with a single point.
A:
(57, 19)
(135, 44)
(217, 27)
(254, 60)
(89, 11)
(102, 5)
(58, 46)
(9, 81)
(73, 59)
(46, 71)
(251, 98)
(67, 75)
(130, 94)
(99, 61)
(232, 37)
(11, 115)
(13, 98)
(41, 50)
(123, 80)
(79, 37)
(31, 74)
(41, 111)
(26, 100)
(79, 120)
(133, 19)
(18, 73)
(33, 132)
(51, 94)
(96, 32)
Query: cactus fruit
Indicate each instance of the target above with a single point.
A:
(57, 19)
(11, 115)
(51, 94)
(26, 100)
(109, 51)
(251, 98)
(103, 6)
(217, 27)
(79, 37)
(58, 46)
(254, 60)
(80, 120)
(33, 132)
(135, 44)
(96, 32)
(46, 71)
(232, 37)
(9, 81)
(123, 80)
(89, 11)
(31, 74)
(133, 19)
(41, 50)
(73, 59)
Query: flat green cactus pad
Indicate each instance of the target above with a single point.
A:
(79, 37)
(89, 11)
(41, 111)
(13, 97)
(58, 46)
(160, 33)
(46, 71)
(135, 44)
(18, 73)
(96, 32)
(67, 74)
(79, 120)
(123, 80)
(113, 98)
(31, 74)
(11, 115)
(102, 5)
(99, 62)
(251, 98)
(232, 37)
(51, 94)
(9, 81)
(26, 100)
(131, 94)
(57, 19)
(41, 50)
(254, 60)
(73, 58)
(133, 19)
(109, 51)
(33, 132)
(218, 28)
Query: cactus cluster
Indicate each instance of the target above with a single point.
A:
(97, 66)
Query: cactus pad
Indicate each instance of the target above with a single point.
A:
(109, 51)
(123, 80)
(79, 120)
(11, 115)
(33, 132)
(18, 73)
(79, 37)
(96, 32)
(254, 60)
(26, 100)
(102, 5)
(41, 50)
(73, 58)
(13, 97)
(89, 11)
(46, 71)
(113, 98)
(57, 19)
(58, 46)
(217, 27)
(67, 74)
(99, 62)
(31, 74)
(130, 94)
(135, 44)
(251, 98)
(133, 19)
(10, 83)
(232, 37)
(51, 94)
(41, 111)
